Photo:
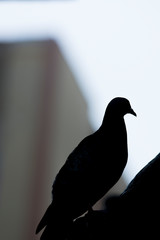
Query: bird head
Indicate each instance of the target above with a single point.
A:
(119, 107)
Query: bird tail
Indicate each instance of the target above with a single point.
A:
(45, 219)
(57, 224)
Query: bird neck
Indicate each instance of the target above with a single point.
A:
(111, 119)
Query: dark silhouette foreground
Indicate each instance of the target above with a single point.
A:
(90, 171)
(132, 215)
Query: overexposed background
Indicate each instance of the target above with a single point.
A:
(112, 49)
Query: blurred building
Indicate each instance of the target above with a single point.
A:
(43, 117)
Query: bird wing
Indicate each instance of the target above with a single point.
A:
(72, 184)
(69, 182)
(79, 162)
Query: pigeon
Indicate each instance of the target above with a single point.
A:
(89, 172)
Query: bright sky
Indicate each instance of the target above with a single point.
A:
(113, 48)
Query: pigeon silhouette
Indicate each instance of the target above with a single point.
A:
(93, 167)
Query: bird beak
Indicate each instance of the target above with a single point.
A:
(131, 111)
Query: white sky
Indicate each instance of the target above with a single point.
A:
(113, 48)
